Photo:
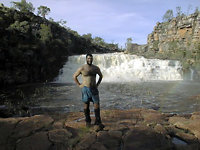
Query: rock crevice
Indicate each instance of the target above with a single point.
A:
(124, 129)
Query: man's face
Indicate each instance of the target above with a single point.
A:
(89, 60)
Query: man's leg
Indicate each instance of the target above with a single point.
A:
(97, 114)
(87, 113)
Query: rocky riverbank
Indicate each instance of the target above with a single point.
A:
(138, 129)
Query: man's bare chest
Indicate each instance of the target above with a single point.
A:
(89, 72)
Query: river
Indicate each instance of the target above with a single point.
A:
(129, 82)
(165, 96)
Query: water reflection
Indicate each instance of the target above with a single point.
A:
(165, 96)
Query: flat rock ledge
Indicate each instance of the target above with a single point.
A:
(135, 129)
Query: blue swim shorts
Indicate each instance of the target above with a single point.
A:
(90, 94)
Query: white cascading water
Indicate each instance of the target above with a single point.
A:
(191, 74)
(120, 67)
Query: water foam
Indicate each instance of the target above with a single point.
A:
(120, 67)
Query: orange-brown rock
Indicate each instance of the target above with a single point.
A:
(192, 124)
(124, 129)
(178, 34)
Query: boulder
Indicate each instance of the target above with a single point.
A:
(144, 138)
(115, 134)
(192, 124)
(181, 134)
(111, 140)
(30, 125)
(160, 129)
(98, 146)
(152, 116)
(59, 136)
(7, 125)
(38, 141)
(86, 141)
(139, 129)
(58, 125)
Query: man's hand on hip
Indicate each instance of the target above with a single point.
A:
(81, 85)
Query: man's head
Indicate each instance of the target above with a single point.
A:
(89, 59)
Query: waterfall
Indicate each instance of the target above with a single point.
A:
(191, 74)
(120, 67)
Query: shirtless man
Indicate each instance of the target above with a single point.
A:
(89, 87)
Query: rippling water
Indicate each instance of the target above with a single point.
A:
(164, 96)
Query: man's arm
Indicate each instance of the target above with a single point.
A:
(100, 76)
(75, 76)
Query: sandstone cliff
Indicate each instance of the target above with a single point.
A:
(177, 39)
(179, 33)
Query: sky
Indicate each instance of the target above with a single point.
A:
(112, 20)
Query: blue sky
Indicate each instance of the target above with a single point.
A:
(112, 20)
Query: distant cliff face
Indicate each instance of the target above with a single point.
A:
(180, 33)
(177, 39)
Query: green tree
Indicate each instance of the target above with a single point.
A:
(178, 11)
(196, 10)
(22, 27)
(168, 15)
(129, 44)
(23, 6)
(112, 46)
(62, 23)
(45, 33)
(51, 19)
(189, 9)
(99, 41)
(87, 36)
(43, 11)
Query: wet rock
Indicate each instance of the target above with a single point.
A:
(38, 141)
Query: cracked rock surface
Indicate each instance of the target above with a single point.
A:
(139, 129)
